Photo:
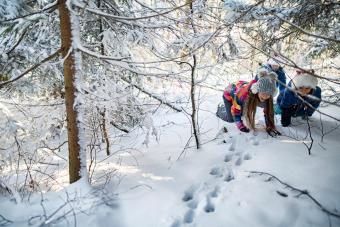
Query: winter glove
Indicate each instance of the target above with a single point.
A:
(241, 126)
(273, 132)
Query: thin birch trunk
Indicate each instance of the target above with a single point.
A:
(194, 113)
(193, 103)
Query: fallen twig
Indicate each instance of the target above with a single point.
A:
(4, 221)
(301, 192)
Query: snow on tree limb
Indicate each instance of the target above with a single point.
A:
(306, 32)
(119, 18)
(55, 54)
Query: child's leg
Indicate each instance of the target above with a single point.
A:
(286, 116)
(227, 105)
(300, 112)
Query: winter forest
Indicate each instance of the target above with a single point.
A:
(143, 113)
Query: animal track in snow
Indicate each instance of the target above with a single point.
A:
(189, 193)
(233, 144)
(247, 156)
(187, 196)
(216, 171)
(215, 192)
(239, 161)
(192, 204)
(209, 207)
(229, 176)
(253, 140)
(239, 153)
(189, 216)
(228, 157)
(202, 197)
(176, 223)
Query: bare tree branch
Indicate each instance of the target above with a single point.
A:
(302, 192)
(310, 135)
(4, 221)
(152, 95)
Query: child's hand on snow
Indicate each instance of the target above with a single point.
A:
(273, 132)
(242, 127)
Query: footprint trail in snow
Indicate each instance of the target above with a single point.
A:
(203, 198)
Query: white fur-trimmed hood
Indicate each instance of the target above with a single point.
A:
(304, 80)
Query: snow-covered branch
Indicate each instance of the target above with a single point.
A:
(119, 18)
(55, 54)
(291, 63)
(50, 8)
(153, 95)
(306, 32)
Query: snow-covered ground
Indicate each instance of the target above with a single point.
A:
(164, 185)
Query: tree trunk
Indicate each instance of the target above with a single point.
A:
(70, 93)
(100, 30)
(102, 51)
(194, 117)
(105, 133)
(193, 104)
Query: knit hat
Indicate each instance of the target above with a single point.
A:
(304, 79)
(265, 84)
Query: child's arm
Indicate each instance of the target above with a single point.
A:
(237, 114)
(281, 76)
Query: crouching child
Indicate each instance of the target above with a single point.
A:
(243, 98)
(300, 99)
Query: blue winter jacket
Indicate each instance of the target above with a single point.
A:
(281, 76)
(288, 99)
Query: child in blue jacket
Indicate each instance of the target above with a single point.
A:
(303, 84)
(273, 65)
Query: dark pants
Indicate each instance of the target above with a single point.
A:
(295, 111)
(228, 105)
(288, 113)
(301, 112)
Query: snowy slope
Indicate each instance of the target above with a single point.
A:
(162, 185)
(213, 186)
